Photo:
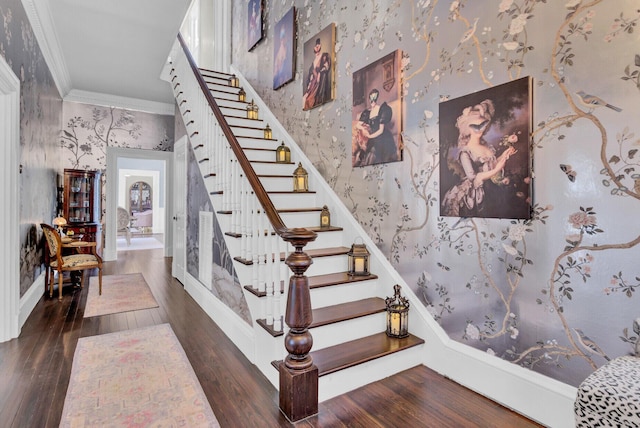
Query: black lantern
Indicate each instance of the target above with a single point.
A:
(252, 110)
(267, 133)
(358, 259)
(242, 95)
(325, 217)
(283, 154)
(300, 179)
(397, 314)
(234, 81)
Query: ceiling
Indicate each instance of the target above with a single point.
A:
(109, 52)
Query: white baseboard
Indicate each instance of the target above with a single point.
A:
(30, 299)
(236, 329)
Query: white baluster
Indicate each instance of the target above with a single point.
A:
(277, 321)
(254, 241)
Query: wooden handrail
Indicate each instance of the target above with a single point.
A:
(298, 376)
(272, 214)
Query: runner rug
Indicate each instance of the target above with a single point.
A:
(134, 378)
(120, 293)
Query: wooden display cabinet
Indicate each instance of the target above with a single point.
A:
(81, 204)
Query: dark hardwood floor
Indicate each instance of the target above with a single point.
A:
(35, 368)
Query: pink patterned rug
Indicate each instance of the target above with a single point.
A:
(134, 378)
(120, 293)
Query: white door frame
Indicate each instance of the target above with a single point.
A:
(177, 271)
(113, 153)
(9, 215)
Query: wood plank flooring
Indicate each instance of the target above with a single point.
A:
(35, 368)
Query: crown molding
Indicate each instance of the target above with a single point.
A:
(108, 100)
(39, 16)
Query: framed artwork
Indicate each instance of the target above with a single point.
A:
(284, 49)
(254, 23)
(318, 78)
(377, 112)
(485, 159)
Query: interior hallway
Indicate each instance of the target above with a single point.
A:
(35, 368)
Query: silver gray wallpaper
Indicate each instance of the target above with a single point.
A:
(40, 121)
(557, 293)
(224, 282)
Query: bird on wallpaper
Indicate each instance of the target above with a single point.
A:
(589, 345)
(466, 36)
(591, 101)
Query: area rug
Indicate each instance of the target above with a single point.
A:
(138, 243)
(134, 378)
(120, 293)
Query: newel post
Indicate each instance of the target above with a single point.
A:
(298, 374)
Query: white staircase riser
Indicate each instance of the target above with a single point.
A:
(350, 292)
(276, 169)
(259, 155)
(277, 184)
(334, 334)
(300, 219)
(239, 118)
(295, 200)
(352, 378)
(327, 264)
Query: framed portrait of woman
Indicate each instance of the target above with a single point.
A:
(254, 23)
(485, 160)
(284, 49)
(376, 116)
(318, 76)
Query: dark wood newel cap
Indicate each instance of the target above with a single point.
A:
(299, 235)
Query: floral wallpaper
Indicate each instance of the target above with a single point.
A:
(557, 293)
(40, 120)
(224, 282)
(89, 129)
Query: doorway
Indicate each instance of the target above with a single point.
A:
(129, 166)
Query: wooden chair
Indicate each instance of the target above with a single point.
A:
(70, 263)
(124, 226)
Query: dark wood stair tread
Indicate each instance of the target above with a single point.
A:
(318, 252)
(347, 311)
(349, 354)
(299, 210)
(320, 281)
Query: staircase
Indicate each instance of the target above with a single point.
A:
(350, 346)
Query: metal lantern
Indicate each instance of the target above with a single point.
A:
(267, 133)
(252, 110)
(397, 314)
(325, 217)
(242, 95)
(358, 259)
(300, 179)
(283, 154)
(234, 81)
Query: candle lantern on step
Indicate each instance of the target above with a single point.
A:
(358, 259)
(300, 179)
(267, 133)
(242, 95)
(234, 81)
(283, 154)
(397, 314)
(252, 110)
(325, 217)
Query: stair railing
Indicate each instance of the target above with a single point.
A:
(256, 221)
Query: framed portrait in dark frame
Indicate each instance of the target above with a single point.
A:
(376, 115)
(485, 159)
(318, 70)
(255, 27)
(284, 49)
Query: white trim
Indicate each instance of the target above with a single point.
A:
(41, 21)
(108, 100)
(30, 299)
(113, 153)
(241, 334)
(9, 215)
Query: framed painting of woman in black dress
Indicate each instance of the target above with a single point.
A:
(485, 162)
(377, 112)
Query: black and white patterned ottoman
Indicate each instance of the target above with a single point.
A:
(610, 396)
